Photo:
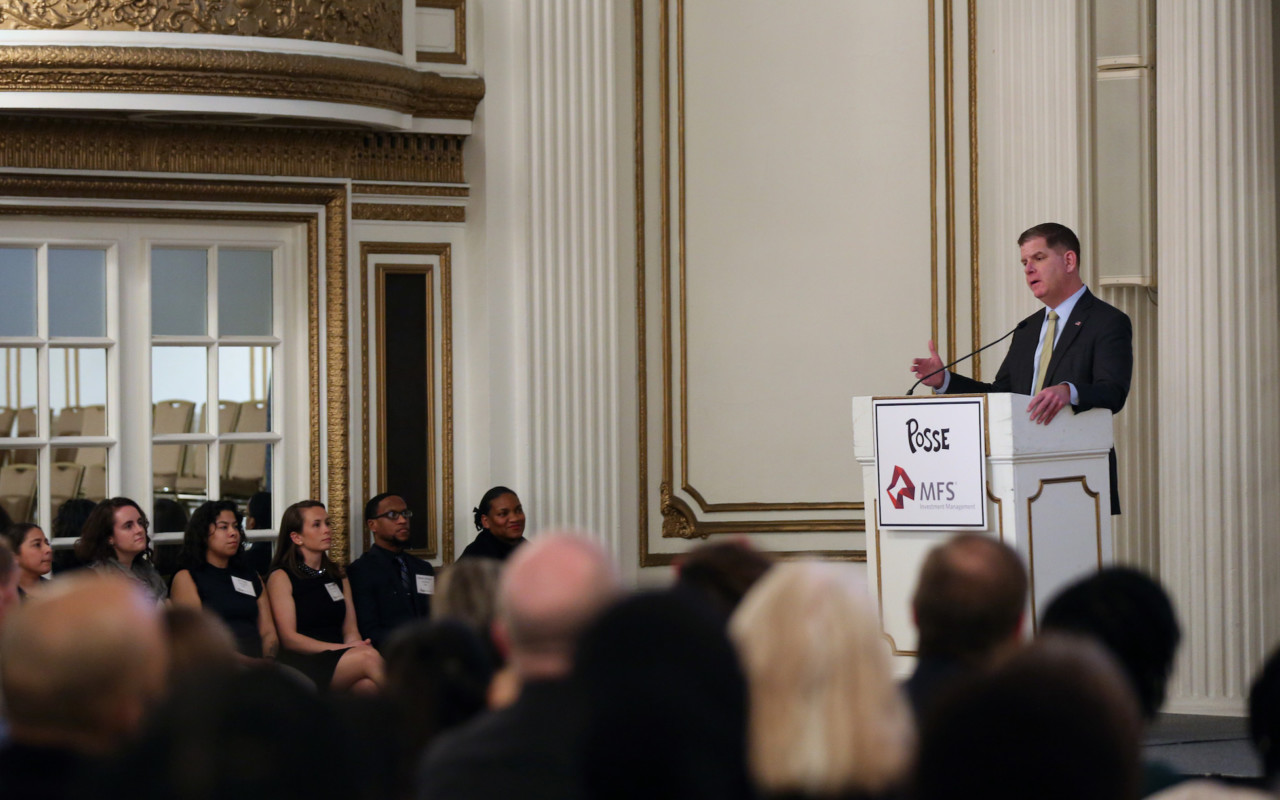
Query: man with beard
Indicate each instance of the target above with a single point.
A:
(388, 586)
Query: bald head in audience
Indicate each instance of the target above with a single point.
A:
(81, 664)
(970, 599)
(551, 589)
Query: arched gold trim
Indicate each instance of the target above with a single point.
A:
(1031, 541)
(238, 73)
(330, 204)
(999, 509)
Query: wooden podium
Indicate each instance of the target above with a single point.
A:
(1048, 496)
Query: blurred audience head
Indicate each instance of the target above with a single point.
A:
(1129, 614)
(1057, 721)
(438, 672)
(970, 599)
(721, 573)
(242, 734)
(81, 664)
(1264, 718)
(550, 590)
(826, 716)
(200, 644)
(468, 591)
(656, 666)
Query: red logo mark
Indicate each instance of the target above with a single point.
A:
(908, 489)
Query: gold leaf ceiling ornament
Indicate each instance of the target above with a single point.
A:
(363, 23)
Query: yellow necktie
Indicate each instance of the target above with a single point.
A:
(1046, 351)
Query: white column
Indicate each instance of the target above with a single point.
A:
(1219, 423)
(574, 403)
(1029, 142)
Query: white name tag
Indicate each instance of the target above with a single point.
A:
(242, 586)
(426, 584)
(334, 592)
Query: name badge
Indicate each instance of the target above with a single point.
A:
(242, 586)
(334, 592)
(426, 584)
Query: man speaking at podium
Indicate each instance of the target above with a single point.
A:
(1077, 350)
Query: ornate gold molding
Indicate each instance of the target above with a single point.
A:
(408, 213)
(363, 23)
(238, 73)
(409, 191)
(122, 146)
(331, 199)
(444, 251)
(459, 53)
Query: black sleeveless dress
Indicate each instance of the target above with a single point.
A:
(319, 616)
(218, 593)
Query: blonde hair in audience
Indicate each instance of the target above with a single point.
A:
(468, 592)
(826, 716)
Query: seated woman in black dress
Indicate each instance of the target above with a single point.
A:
(311, 599)
(500, 521)
(213, 575)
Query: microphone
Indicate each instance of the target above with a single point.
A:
(1016, 328)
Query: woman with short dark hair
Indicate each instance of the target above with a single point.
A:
(114, 540)
(311, 599)
(500, 520)
(215, 577)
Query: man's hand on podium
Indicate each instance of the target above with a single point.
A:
(1046, 405)
(920, 367)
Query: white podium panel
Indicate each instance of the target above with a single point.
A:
(1047, 495)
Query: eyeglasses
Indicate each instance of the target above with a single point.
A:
(395, 516)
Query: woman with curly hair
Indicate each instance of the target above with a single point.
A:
(213, 575)
(114, 540)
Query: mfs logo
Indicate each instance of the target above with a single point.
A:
(928, 491)
(907, 490)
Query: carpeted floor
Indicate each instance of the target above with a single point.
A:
(1206, 746)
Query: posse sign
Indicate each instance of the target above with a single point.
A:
(929, 463)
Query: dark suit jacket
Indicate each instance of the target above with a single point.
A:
(1094, 353)
(379, 597)
(531, 750)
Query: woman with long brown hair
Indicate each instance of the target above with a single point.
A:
(311, 599)
(114, 540)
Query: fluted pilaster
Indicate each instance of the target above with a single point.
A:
(1219, 413)
(1029, 142)
(574, 328)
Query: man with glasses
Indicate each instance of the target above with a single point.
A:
(388, 586)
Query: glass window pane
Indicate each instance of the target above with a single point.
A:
(18, 300)
(17, 391)
(77, 391)
(244, 377)
(245, 470)
(168, 516)
(18, 484)
(179, 291)
(179, 381)
(193, 481)
(93, 482)
(244, 292)
(77, 292)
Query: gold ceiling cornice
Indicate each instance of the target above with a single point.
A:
(123, 145)
(238, 73)
(363, 23)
